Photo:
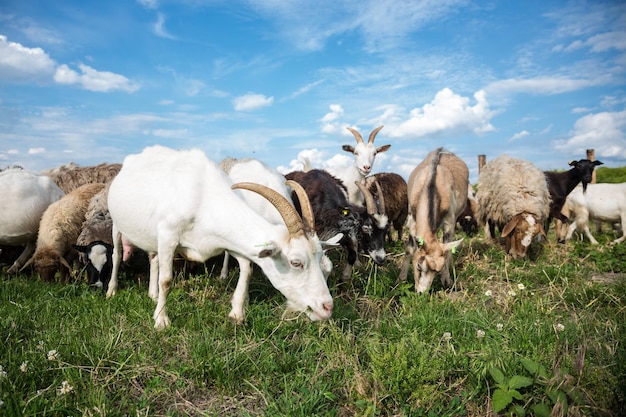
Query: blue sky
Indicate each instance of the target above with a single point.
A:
(277, 80)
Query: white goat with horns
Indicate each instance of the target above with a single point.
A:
(166, 202)
(364, 155)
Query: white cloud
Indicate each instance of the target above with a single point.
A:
(447, 113)
(22, 64)
(93, 80)
(159, 28)
(35, 151)
(519, 135)
(249, 102)
(605, 132)
(331, 121)
(601, 42)
(539, 85)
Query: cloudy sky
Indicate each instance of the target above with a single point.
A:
(279, 80)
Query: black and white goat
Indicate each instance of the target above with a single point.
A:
(560, 184)
(393, 189)
(362, 228)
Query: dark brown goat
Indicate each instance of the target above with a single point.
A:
(560, 184)
(394, 191)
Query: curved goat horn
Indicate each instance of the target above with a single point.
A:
(290, 216)
(381, 198)
(357, 135)
(305, 205)
(374, 133)
(370, 204)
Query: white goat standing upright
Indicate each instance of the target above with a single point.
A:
(364, 155)
(603, 202)
(166, 202)
(25, 197)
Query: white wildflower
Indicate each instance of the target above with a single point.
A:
(53, 355)
(65, 388)
(24, 366)
(559, 327)
(1, 403)
(521, 287)
(3, 373)
(512, 293)
(447, 336)
(499, 327)
(480, 334)
(40, 345)
(488, 293)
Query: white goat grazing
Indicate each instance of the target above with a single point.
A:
(437, 191)
(166, 202)
(253, 170)
(25, 197)
(604, 202)
(364, 155)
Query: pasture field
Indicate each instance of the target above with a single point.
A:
(540, 336)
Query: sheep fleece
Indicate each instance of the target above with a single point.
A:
(508, 186)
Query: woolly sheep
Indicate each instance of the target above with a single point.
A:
(25, 197)
(513, 195)
(71, 176)
(60, 226)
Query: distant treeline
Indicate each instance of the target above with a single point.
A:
(613, 175)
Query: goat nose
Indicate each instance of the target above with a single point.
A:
(367, 168)
(328, 307)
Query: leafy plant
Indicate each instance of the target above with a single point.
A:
(546, 393)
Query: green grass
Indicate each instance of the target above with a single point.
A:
(386, 351)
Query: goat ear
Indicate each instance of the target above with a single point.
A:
(572, 163)
(269, 250)
(598, 163)
(30, 261)
(348, 148)
(383, 148)
(512, 224)
(333, 241)
(451, 246)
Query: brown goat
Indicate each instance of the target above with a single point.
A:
(394, 192)
(437, 192)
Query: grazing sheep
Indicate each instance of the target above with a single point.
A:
(513, 195)
(394, 192)
(603, 202)
(167, 202)
(71, 176)
(364, 155)
(95, 242)
(60, 226)
(437, 190)
(25, 196)
(560, 184)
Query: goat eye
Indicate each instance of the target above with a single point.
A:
(297, 264)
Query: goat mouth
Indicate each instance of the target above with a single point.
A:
(318, 315)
